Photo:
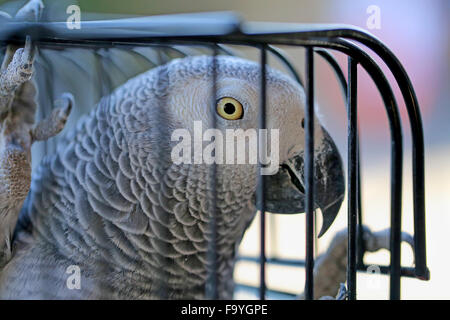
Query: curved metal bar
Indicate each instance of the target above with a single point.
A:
(227, 50)
(282, 57)
(418, 151)
(192, 51)
(396, 163)
(374, 71)
(286, 35)
(328, 57)
(182, 50)
(178, 50)
(303, 36)
(396, 142)
(396, 136)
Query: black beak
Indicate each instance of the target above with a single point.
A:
(286, 193)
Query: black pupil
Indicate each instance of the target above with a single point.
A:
(229, 108)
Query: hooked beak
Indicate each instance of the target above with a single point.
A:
(285, 193)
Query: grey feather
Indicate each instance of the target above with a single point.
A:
(110, 200)
(87, 205)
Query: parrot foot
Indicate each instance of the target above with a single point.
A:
(17, 134)
(331, 267)
(375, 241)
(17, 108)
(17, 68)
(17, 65)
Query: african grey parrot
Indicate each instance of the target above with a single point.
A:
(112, 202)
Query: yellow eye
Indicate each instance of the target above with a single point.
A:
(230, 109)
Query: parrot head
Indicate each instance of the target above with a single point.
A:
(220, 124)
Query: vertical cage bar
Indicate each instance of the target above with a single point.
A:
(211, 291)
(361, 246)
(418, 152)
(309, 173)
(261, 182)
(352, 133)
(396, 222)
(420, 255)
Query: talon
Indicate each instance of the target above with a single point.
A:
(28, 51)
(51, 126)
(65, 102)
(20, 69)
(375, 241)
(64, 106)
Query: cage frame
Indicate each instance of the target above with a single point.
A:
(318, 39)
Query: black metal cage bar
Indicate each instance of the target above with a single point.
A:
(352, 179)
(262, 183)
(217, 30)
(309, 174)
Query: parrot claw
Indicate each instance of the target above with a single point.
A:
(23, 61)
(17, 68)
(17, 105)
(52, 125)
(17, 133)
(375, 241)
(331, 267)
